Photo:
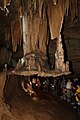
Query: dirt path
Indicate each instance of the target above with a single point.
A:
(45, 107)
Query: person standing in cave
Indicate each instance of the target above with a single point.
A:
(38, 83)
(34, 83)
(63, 87)
(68, 90)
(77, 95)
(27, 86)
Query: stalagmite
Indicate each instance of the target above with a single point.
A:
(59, 55)
(6, 56)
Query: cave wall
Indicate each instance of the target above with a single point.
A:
(71, 34)
(72, 41)
(11, 87)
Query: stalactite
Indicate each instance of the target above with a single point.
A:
(73, 9)
(27, 6)
(55, 14)
(66, 6)
(21, 8)
(40, 7)
(59, 54)
(16, 33)
(5, 56)
(1, 5)
(34, 32)
(29, 18)
(21, 12)
(27, 29)
(8, 2)
(33, 23)
(42, 36)
(36, 27)
(43, 31)
(8, 36)
(5, 4)
(25, 32)
(20, 32)
(12, 35)
(34, 2)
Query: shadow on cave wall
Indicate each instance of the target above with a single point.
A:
(11, 88)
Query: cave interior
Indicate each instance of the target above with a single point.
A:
(40, 37)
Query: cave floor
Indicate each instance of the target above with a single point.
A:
(43, 107)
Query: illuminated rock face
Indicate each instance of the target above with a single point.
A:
(32, 24)
(37, 23)
(27, 23)
(59, 57)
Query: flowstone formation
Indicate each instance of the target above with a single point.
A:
(59, 57)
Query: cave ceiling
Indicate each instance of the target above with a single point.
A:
(44, 18)
(11, 12)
